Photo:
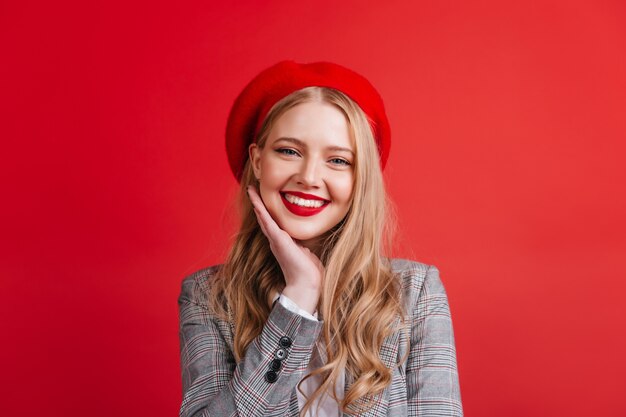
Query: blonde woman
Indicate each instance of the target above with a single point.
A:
(307, 317)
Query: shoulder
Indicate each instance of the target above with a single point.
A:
(195, 287)
(417, 280)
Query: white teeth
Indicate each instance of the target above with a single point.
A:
(302, 202)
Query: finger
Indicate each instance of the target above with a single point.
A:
(263, 216)
(254, 196)
(259, 208)
(259, 221)
(268, 225)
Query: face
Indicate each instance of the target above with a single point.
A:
(306, 170)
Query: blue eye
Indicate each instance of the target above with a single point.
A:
(287, 151)
(340, 161)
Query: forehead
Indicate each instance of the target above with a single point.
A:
(315, 123)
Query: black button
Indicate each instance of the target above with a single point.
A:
(280, 354)
(284, 342)
(275, 365)
(271, 376)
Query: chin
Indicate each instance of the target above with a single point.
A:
(298, 232)
(303, 235)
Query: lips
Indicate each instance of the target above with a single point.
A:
(301, 210)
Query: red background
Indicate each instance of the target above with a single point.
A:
(507, 168)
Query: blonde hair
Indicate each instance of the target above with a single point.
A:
(360, 299)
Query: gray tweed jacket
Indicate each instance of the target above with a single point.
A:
(264, 383)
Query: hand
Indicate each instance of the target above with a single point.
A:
(303, 271)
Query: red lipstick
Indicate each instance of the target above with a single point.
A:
(300, 210)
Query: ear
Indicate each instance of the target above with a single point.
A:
(254, 153)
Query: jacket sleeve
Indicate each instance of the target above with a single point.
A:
(432, 376)
(214, 385)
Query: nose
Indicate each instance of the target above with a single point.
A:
(309, 173)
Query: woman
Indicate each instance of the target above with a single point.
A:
(306, 316)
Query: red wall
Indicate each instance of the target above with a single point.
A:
(507, 167)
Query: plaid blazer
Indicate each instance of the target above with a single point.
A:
(425, 384)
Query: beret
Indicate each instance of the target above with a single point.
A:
(278, 81)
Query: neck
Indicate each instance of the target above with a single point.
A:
(314, 245)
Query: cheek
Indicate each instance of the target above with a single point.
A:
(271, 167)
(271, 181)
(342, 191)
(269, 176)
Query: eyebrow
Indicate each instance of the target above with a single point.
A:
(302, 144)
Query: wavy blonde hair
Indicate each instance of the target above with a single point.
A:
(360, 298)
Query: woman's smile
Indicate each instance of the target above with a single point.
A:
(302, 204)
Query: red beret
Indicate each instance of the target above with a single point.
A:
(273, 84)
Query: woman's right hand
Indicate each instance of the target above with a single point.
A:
(302, 269)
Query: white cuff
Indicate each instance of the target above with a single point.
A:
(290, 305)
